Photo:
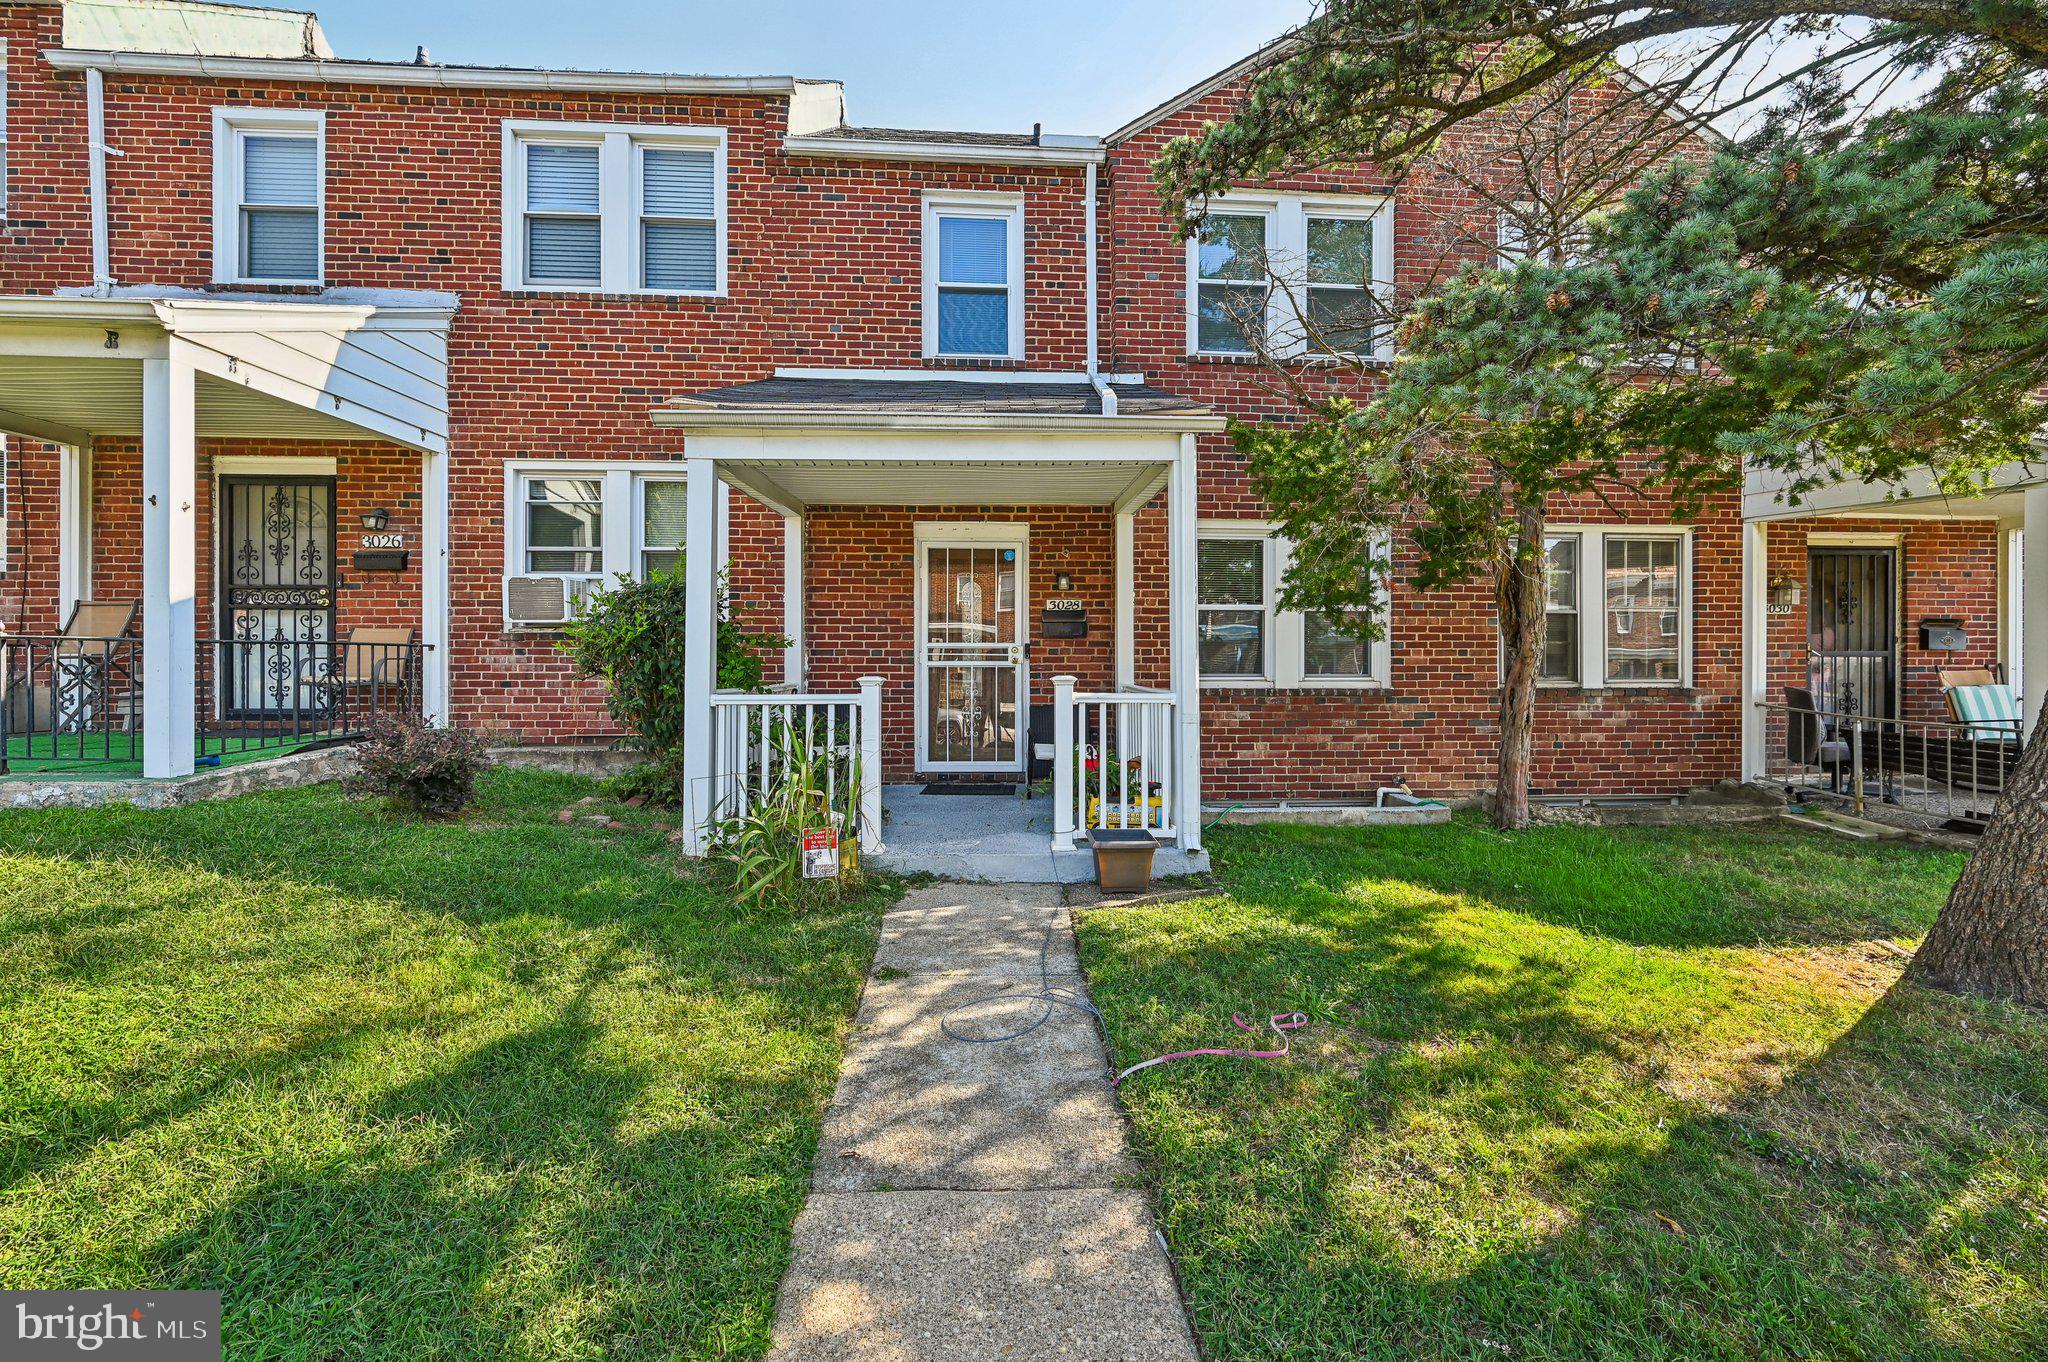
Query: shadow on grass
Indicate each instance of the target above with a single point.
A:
(1483, 1150)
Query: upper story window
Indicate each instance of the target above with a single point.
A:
(268, 196)
(1242, 636)
(1332, 257)
(1617, 607)
(614, 208)
(973, 277)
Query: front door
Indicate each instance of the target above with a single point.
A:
(1852, 626)
(277, 584)
(971, 680)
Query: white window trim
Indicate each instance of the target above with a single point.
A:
(228, 127)
(620, 549)
(618, 188)
(1286, 660)
(1593, 604)
(1287, 217)
(1008, 208)
(640, 544)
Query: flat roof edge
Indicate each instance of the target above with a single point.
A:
(320, 70)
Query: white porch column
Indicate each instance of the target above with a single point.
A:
(1755, 646)
(793, 598)
(1063, 763)
(1187, 673)
(74, 528)
(701, 558)
(871, 763)
(434, 587)
(170, 528)
(1126, 605)
(2034, 606)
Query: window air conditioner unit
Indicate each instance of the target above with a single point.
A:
(537, 600)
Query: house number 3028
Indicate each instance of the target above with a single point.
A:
(392, 540)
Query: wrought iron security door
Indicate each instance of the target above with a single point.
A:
(1853, 630)
(277, 594)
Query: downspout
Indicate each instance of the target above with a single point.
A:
(1103, 390)
(96, 163)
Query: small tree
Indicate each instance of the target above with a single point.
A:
(631, 634)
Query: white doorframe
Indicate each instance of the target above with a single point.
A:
(973, 535)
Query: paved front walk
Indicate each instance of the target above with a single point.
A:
(974, 1201)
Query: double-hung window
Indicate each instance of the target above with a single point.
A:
(1234, 609)
(1291, 276)
(973, 277)
(1232, 286)
(614, 208)
(590, 522)
(1617, 607)
(1243, 638)
(268, 194)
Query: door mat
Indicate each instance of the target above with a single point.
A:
(964, 788)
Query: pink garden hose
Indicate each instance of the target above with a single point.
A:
(1280, 1023)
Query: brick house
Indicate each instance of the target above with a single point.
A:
(356, 376)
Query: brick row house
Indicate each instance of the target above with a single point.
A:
(354, 378)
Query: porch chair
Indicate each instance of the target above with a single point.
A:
(374, 671)
(1986, 710)
(82, 664)
(1807, 743)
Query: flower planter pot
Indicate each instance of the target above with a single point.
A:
(1123, 857)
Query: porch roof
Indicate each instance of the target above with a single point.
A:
(821, 399)
(344, 364)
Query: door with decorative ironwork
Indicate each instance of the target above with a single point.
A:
(277, 587)
(1852, 628)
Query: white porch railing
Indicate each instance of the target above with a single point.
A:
(754, 737)
(1115, 762)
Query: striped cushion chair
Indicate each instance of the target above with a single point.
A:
(1988, 713)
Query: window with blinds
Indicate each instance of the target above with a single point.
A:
(1234, 610)
(615, 209)
(974, 263)
(268, 195)
(662, 521)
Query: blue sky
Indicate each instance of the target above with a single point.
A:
(1078, 66)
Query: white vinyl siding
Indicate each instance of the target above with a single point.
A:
(269, 196)
(973, 277)
(614, 208)
(1335, 256)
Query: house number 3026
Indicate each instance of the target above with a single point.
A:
(391, 540)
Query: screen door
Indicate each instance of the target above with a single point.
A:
(970, 655)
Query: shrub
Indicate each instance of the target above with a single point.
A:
(631, 634)
(431, 770)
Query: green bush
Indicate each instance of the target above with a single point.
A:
(631, 634)
(426, 769)
(764, 845)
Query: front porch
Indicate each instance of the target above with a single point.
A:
(966, 600)
(245, 553)
(994, 838)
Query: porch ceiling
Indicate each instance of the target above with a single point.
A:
(795, 484)
(1916, 498)
(62, 398)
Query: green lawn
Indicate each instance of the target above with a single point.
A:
(1581, 1093)
(496, 1088)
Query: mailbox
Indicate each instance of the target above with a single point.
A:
(382, 560)
(1063, 619)
(1943, 636)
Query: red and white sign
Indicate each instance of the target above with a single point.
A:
(821, 854)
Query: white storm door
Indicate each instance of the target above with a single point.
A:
(971, 631)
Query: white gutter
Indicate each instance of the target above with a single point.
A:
(726, 418)
(96, 176)
(961, 153)
(1103, 392)
(1027, 376)
(334, 72)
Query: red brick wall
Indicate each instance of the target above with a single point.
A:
(860, 564)
(28, 587)
(1950, 570)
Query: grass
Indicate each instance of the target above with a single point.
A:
(504, 1087)
(1582, 1093)
(120, 754)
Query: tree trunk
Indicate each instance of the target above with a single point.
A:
(1521, 633)
(1992, 935)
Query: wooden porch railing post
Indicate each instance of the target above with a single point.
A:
(871, 763)
(1063, 763)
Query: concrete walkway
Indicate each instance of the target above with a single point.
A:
(996, 838)
(974, 1201)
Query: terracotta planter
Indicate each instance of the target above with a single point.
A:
(1123, 857)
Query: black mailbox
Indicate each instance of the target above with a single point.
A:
(1943, 636)
(383, 560)
(1063, 619)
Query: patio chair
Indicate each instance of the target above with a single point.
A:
(373, 671)
(84, 662)
(1807, 743)
(1987, 712)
